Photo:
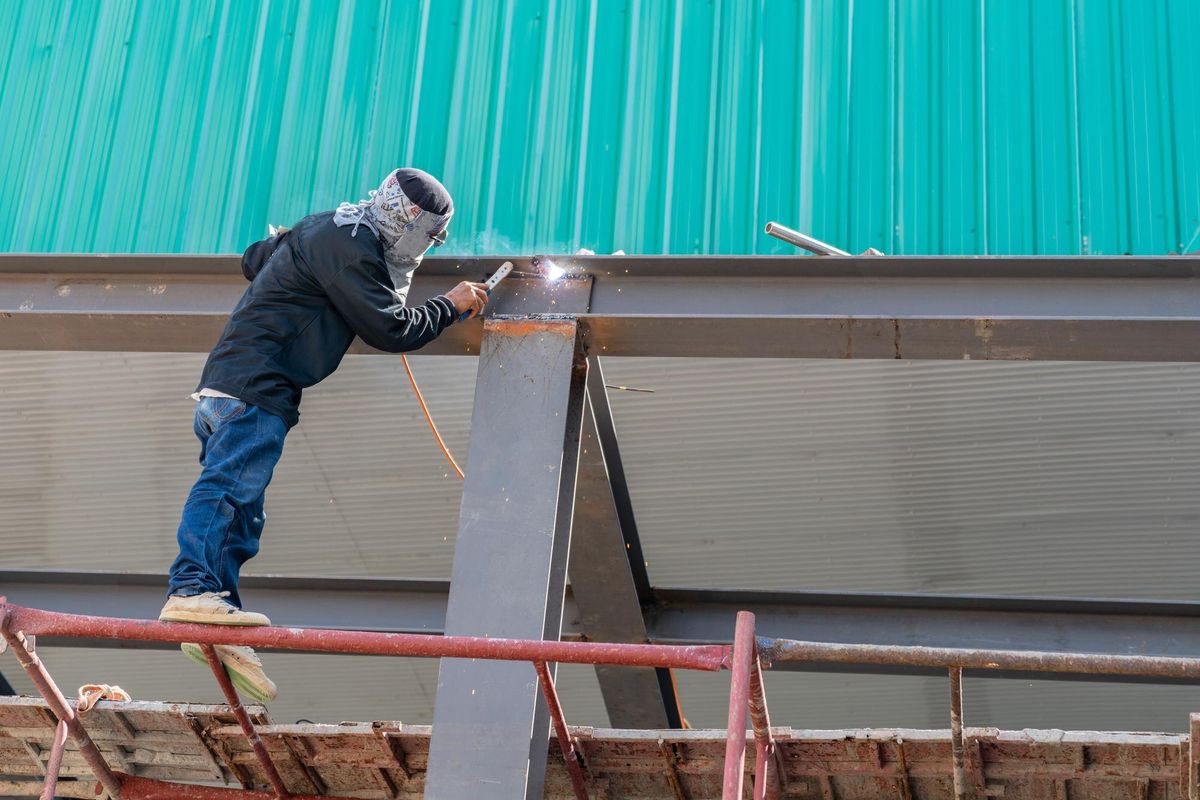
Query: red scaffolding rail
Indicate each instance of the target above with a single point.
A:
(18, 626)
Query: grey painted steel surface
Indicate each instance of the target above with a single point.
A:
(608, 578)
(1112, 309)
(510, 560)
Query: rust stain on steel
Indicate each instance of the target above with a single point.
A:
(780, 650)
(136, 788)
(527, 326)
(707, 658)
(671, 760)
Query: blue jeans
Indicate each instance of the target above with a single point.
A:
(223, 517)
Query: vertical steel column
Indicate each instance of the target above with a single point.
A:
(739, 706)
(490, 729)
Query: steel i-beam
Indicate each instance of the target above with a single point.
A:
(510, 560)
(609, 580)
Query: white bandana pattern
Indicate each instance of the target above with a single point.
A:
(403, 227)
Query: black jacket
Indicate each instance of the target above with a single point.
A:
(312, 289)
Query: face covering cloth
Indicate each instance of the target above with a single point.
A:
(404, 228)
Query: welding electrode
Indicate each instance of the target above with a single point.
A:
(491, 282)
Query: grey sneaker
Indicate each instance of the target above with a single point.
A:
(243, 666)
(209, 608)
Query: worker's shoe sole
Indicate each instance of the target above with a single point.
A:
(209, 608)
(246, 674)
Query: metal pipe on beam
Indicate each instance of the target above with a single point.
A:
(803, 240)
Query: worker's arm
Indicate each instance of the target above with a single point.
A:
(372, 312)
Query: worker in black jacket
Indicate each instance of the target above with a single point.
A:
(313, 288)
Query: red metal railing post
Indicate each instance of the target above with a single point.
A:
(739, 706)
(243, 718)
(58, 704)
(54, 763)
(565, 742)
(957, 748)
(768, 783)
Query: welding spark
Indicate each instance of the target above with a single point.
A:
(553, 271)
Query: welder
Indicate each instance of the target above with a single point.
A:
(313, 288)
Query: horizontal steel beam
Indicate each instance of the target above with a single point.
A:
(682, 616)
(1011, 308)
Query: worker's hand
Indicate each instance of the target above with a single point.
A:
(468, 297)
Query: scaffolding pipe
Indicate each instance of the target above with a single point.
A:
(783, 650)
(58, 704)
(767, 778)
(565, 742)
(243, 718)
(739, 706)
(708, 658)
(957, 747)
(54, 763)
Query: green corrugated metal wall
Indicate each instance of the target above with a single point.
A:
(677, 126)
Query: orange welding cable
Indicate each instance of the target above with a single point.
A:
(429, 419)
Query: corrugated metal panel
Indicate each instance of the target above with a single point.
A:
(1002, 126)
(989, 477)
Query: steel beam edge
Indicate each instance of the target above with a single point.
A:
(1044, 308)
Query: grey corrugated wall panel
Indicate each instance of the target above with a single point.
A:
(1005, 478)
